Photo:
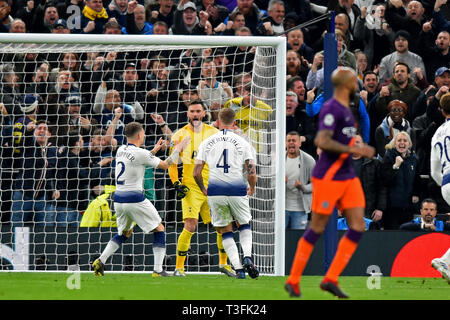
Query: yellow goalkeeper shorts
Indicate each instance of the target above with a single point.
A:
(194, 204)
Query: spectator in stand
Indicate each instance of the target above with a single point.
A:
(17, 26)
(111, 110)
(434, 51)
(93, 18)
(401, 53)
(370, 84)
(60, 27)
(9, 95)
(361, 63)
(72, 181)
(411, 22)
(440, 23)
(213, 93)
(299, 166)
(427, 220)
(160, 27)
(241, 58)
(351, 10)
(186, 21)
(399, 174)
(367, 170)
(224, 71)
(162, 10)
(217, 13)
(56, 97)
(118, 9)
(235, 21)
(239, 83)
(127, 83)
(345, 58)
(441, 80)
(136, 23)
(298, 121)
(295, 41)
(24, 126)
(44, 18)
(296, 65)
(400, 88)
(393, 123)
(5, 18)
(35, 187)
(73, 120)
(26, 14)
(251, 12)
(272, 24)
(375, 34)
(100, 153)
(112, 27)
(297, 85)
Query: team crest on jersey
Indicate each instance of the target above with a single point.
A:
(328, 120)
(325, 204)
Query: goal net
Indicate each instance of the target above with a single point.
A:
(56, 190)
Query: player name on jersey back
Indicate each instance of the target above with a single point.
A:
(130, 170)
(225, 152)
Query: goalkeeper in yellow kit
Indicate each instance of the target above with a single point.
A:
(193, 201)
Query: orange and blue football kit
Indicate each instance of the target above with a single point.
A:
(335, 184)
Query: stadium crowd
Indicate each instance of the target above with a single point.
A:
(63, 114)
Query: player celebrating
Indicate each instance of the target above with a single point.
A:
(193, 202)
(334, 184)
(227, 154)
(440, 172)
(129, 201)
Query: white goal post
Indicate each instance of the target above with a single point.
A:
(268, 225)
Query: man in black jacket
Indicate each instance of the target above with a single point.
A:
(376, 194)
(35, 184)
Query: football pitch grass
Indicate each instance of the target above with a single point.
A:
(120, 286)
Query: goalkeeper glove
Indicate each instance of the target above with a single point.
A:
(181, 189)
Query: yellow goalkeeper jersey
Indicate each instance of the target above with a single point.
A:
(189, 154)
(246, 117)
(252, 119)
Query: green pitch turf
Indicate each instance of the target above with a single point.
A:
(53, 286)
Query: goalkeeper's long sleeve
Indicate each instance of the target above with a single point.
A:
(173, 173)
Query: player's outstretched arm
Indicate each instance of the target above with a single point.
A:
(173, 158)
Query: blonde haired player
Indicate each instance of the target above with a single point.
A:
(440, 172)
(229, 157)
(193, 201)
(131, 206)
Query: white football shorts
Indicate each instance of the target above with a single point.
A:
(144, 214)
(225, 209)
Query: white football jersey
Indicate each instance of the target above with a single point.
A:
(130, 167)
(440, 153)
(225, 153)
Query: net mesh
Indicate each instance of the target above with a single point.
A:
(76, 89)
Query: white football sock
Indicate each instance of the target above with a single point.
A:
(446, 257)
(232, 251)
(111, 247)
(158, 255)
(245, 238)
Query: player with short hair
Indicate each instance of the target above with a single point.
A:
(228, 156)
(193, 201)
(129, 201)
(334, 184)
(440, 172)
